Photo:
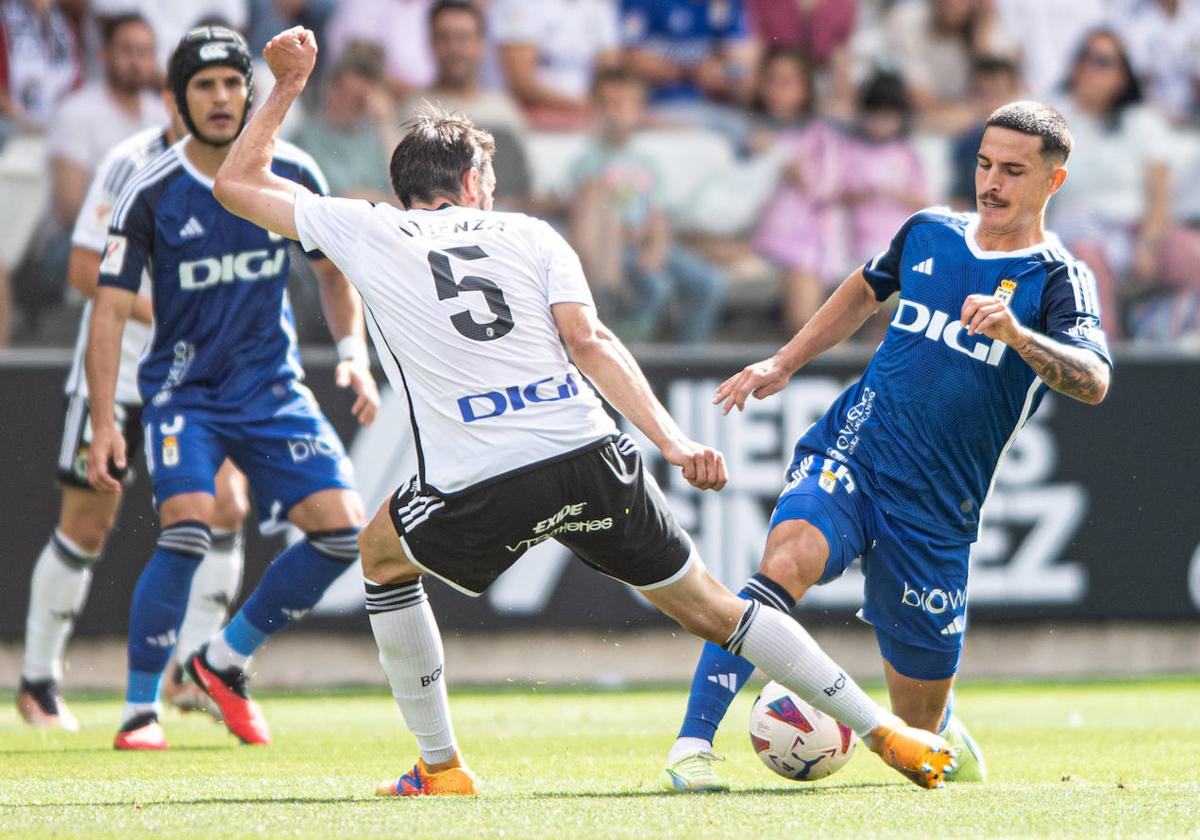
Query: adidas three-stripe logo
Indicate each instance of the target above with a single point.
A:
(192, 229)
(954, 627)
(728, 681)
(924, 266)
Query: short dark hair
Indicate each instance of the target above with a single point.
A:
(435, 153)
(1037, 119)
(109, 26)
(884, 90)
(443, 6)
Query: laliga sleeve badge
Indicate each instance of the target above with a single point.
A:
(1005, 291)
(114, 255)
(170, 451)
(827, 481)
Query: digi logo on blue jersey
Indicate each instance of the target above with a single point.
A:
(494, 403)
(248, 265)
(916, 317)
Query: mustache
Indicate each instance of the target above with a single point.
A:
(992, 197)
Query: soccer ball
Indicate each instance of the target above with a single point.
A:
(795, 740)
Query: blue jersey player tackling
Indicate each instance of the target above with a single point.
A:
(220, 378)
(991, 311)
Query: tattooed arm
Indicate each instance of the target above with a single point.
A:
(1074, 371)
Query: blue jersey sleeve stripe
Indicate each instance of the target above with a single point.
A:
(152, 174)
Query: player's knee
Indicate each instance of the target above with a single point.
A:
(232, 508)
(796, 556)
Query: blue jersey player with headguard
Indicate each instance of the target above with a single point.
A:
(220, 378)
(991, 312)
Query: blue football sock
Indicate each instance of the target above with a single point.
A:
(159, 603)
(720, 674)
(291, 586)
(948, 714)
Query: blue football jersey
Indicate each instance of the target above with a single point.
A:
(224, 339)
(925, 427)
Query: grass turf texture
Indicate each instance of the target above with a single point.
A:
(1076, 759)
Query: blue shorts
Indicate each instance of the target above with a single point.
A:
(286, 457)
(916, 582)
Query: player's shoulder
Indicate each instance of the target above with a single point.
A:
(941, 216)
(148, 183)
(1065, 272)
(292, 161)
(137, 149)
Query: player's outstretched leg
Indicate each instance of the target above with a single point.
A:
(159, 602)
(788, 655)
(412, 656)
(291, 586)
(719, 676)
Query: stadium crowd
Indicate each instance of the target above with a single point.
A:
(719, 165)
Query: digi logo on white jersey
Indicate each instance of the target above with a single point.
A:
(515, 397)
(248, 265)
(916, 317)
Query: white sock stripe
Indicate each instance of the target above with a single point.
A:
(769, 595)
(377, 607)
(336, 546)
(186, 539)
(70, 553)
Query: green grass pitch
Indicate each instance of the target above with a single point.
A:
(1090, 759)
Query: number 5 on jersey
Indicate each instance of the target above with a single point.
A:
(447, 287)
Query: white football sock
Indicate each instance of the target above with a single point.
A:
(787, 654)
(410, 650)
(58, 590)
(687, 746)
(221, 657)
(214, 589)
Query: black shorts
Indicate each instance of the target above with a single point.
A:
(77, 441)
(598, 501)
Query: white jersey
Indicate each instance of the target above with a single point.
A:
(91, 232)
(458, 302)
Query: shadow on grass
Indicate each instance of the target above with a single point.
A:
(61, 748)
(823, 790)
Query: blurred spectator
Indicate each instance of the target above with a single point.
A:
(799, 231)
(40, 62)
(1044, 34)
(821, 30)
(935, 43)
(1163, 38)
(691, 53)
(884, 182)
(270, 17)
(994, 82)
(458, 30)
(1114, 212)
(104, 112)
(171, 19)
(352, 135)
(399, 27)
(549, 52)
(639, 273)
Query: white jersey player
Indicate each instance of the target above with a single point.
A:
(62, 575)
(470, 309)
